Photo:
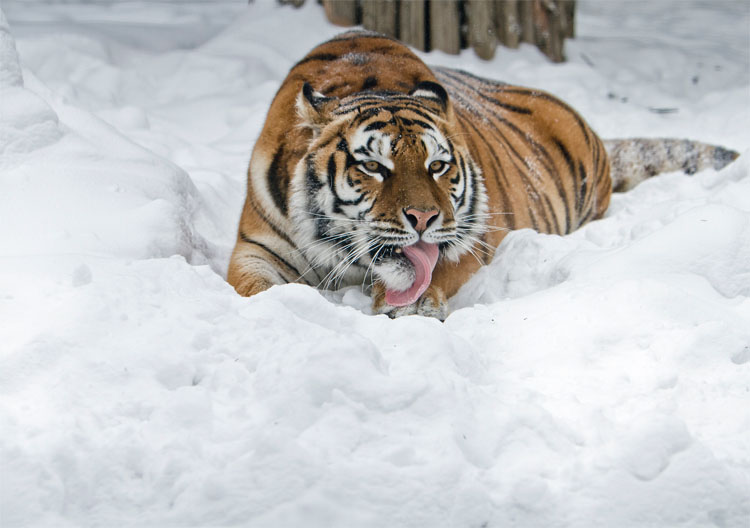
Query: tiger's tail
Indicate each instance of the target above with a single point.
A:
(637, 159)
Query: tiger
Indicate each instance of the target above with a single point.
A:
(374, 170)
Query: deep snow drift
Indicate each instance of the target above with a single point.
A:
(598, 379)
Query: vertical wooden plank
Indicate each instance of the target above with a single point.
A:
(541, 29)
(555, 17)
(500, 28)
(341, 12)
(412, 23)
(526, 19)
(445, 26)
(547, 28)
(507, 22)
(482, 36)
(380, 16)
(569, 11)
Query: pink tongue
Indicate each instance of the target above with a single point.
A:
(423, 256)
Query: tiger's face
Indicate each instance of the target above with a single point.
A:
(385, 189)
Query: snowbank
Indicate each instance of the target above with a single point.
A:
(598, 379)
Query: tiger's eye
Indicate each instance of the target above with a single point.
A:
(437, 166)
(372, 166)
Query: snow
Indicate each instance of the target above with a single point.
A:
(597, 379)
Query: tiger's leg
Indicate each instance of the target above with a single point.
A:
(260, 261)
(263, 255)
(251, 270)
(447, 279)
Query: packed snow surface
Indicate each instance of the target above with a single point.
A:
(597, 379)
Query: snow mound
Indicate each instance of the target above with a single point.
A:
(80, 186)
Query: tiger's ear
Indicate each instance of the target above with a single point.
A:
(433, 92)
(314, 108)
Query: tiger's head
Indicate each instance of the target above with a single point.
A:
(386, 188)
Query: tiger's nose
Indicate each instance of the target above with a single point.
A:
(420, 220)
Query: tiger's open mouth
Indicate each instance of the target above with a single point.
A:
(423, 257)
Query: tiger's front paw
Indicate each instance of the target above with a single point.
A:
(432, 303)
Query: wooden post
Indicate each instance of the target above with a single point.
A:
(482, 35)
(445, 26)
(507, 22)
(412, 23)
(380, 16)
(547, 29)
(555, 18)
(526, 16)
(569, 17)
(341, 12)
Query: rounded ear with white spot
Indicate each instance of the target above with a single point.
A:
(432, 92)
(314, 108)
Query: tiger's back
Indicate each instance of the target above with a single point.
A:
(540, 159)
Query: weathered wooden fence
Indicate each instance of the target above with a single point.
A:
(450, 25)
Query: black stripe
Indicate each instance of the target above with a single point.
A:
(474, 186)
(420, 110)
(311, 177)
(586, 217)
(332, 174)
(462, 197)
(324, 143)
(554, 213)
(600, 165)
(529, 92)
(376, 125)
(259, 211)
(573, 174)
(566, 154)
(332, 88)
(268, 250)
(369, 83)
(583, 187)
(326, 57)
(418, 122)
(338, 201)
(278, 181)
